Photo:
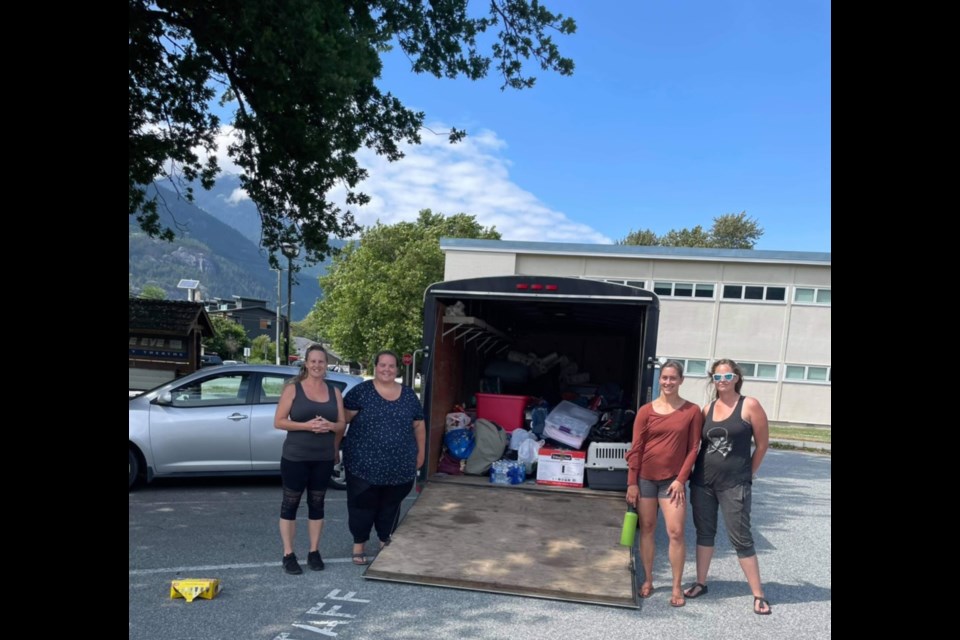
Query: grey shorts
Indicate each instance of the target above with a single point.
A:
(655, 488)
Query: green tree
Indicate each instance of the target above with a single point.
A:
(695, 237)
(729, 231)
(373, 292)
(262, 350)
(301, 79)
(153, 292)
(229, 338)
(735, 231)
(643, 238)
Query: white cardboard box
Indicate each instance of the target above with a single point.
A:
(561, 468)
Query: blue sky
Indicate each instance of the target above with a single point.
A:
(677, 112)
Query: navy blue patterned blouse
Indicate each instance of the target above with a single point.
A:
(380, 446)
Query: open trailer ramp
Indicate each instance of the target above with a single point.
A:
(514, 540)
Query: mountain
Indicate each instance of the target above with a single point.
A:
(221, 257)
(224, 202)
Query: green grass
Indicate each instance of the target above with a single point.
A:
(810, 434)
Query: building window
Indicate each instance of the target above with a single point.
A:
(636, 284)
(798, 372)
(754, 292)
(692, 367)
(683, 290)
(811, 295)
(758, 370)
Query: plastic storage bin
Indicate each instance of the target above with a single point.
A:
(570, 424)
(606, 468)
(506, 411)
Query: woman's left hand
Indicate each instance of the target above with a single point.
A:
(677, 493)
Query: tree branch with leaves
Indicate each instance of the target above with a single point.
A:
(302, 78)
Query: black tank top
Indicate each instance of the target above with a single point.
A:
(306, 446)
(724, 458)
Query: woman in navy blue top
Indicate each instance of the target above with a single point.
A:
(382, 452)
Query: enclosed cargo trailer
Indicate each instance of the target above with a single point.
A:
(535, 540)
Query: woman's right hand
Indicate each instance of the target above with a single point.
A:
(633, 495)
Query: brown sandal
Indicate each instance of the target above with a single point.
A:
(360, 559)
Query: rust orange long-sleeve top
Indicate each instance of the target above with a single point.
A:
(664, 445)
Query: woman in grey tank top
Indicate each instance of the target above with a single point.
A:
(310, 410)
(723, 477)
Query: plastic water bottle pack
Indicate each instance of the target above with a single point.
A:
(507, 472)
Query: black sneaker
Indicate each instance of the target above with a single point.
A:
(290, 564)
(314, 561)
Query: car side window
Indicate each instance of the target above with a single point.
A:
(271, 386)
(213, 391)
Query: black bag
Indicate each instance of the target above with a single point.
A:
(614, 426)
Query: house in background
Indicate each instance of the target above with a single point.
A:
(164, 340)
(252, 314)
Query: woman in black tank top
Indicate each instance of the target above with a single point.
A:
(311, 412)
(723, 477)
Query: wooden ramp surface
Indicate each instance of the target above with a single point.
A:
(517, 540)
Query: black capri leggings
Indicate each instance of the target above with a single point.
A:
(312, 475)
(373, 505)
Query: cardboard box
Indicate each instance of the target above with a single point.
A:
(561, 468)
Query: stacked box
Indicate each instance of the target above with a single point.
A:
(606, 466)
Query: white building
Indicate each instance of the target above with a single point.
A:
(767, 310)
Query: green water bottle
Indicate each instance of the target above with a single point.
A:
(629, 531)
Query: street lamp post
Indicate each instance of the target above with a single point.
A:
(277, 345)
(290, 250)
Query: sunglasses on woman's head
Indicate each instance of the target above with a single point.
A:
(717, 377)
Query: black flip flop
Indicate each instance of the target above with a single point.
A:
(763, 601)
(695, 585)
(362, 557)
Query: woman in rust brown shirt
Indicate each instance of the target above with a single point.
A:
(666, 436)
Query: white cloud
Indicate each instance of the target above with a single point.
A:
(237, 196)
(469, 177)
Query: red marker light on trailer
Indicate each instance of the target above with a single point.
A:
(551, 287)
(536, 287)
(522, 285)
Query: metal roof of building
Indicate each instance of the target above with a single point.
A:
(631, 251)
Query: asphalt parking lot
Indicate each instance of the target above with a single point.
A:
(227, 529)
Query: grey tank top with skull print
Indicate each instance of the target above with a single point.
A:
(724, 458)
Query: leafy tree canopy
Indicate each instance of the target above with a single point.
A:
(373, 292)
(301, 78)
(262, 350)
(729, 231)
(229, 338)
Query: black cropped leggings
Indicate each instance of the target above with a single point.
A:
(312, 475)
(373, 505)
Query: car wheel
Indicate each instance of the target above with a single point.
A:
(134, 468)
(338, 479)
